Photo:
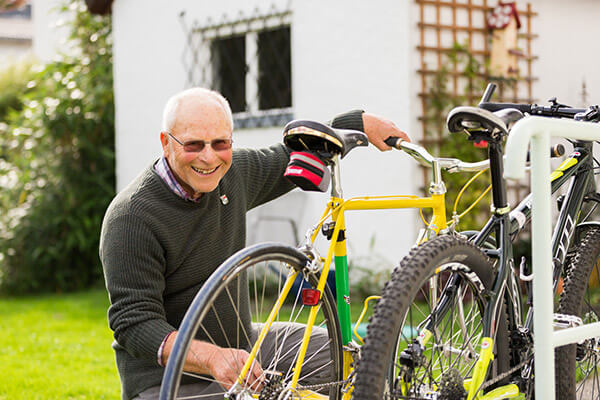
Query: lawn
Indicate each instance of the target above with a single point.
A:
(57, 347)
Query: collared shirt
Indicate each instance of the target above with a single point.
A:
(164, 171)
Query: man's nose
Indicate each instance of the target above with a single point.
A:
(207, 153)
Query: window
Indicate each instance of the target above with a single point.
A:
(249, 62)
(228, 58)
(274, 69)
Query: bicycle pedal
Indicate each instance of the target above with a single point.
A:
(563, 321)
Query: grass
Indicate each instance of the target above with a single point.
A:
(57, 347)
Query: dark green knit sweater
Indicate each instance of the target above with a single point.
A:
(157, 250)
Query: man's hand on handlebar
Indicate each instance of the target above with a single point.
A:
(378, 129)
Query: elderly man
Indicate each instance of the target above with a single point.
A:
(170, 228)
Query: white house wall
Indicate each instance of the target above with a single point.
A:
(48, 37)
(567, 50)
(356, 54)
(345, 54)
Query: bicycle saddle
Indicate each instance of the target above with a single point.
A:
(478, 123)
(302, 135)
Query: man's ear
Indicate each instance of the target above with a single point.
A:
(164, 141)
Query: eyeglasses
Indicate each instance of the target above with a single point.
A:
(196, 146)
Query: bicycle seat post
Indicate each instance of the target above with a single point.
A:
(336, 181)
(500, 201)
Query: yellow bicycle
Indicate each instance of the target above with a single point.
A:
(274, 300)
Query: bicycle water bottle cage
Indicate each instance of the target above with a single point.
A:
(325, 141)
(478, 123)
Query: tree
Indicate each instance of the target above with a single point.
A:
(57, 165)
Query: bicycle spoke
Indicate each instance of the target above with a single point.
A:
(237, 309)
(313, 355)
(204, 378)
(255, 290)
(316, 370)
(278, 356)
(279, 348)
(248, 340)
(212, 308)
(197, 396)
(454, 340)
(232, 366)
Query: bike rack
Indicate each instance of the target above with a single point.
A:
(538, 131)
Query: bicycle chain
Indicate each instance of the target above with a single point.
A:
(322, 385)
(349, 381)
(503, 375)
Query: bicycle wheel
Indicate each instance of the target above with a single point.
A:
(446, 273)
(577, 369)
(230, 311)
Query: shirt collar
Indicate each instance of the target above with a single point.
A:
(164, 171)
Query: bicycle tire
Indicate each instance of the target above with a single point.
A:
(387, 331)
(576, 365)
(264, 267)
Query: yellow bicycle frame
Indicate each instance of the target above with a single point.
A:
(336, 208)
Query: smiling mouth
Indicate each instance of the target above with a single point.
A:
(205, 171)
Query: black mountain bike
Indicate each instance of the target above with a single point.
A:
(455, 320)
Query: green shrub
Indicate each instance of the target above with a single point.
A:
(57, 166)
(13, 84)
(439, 102)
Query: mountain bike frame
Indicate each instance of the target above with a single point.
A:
(578, 169)
(505, 224)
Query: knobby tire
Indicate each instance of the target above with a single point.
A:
(389, 327)
(576, 365)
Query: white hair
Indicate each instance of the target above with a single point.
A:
(170, 110)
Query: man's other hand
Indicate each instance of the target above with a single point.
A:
(378, 129)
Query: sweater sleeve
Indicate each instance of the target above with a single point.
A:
(348, 120)
(263, 173)
(134, 268)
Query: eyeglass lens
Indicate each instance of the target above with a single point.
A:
(198, 145)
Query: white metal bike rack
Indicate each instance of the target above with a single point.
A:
(538, 131)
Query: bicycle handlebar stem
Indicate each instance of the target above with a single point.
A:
(425, 158)
(437, 185)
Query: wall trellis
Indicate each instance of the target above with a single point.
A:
(444, 23)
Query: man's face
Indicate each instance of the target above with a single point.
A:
(198, 119)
